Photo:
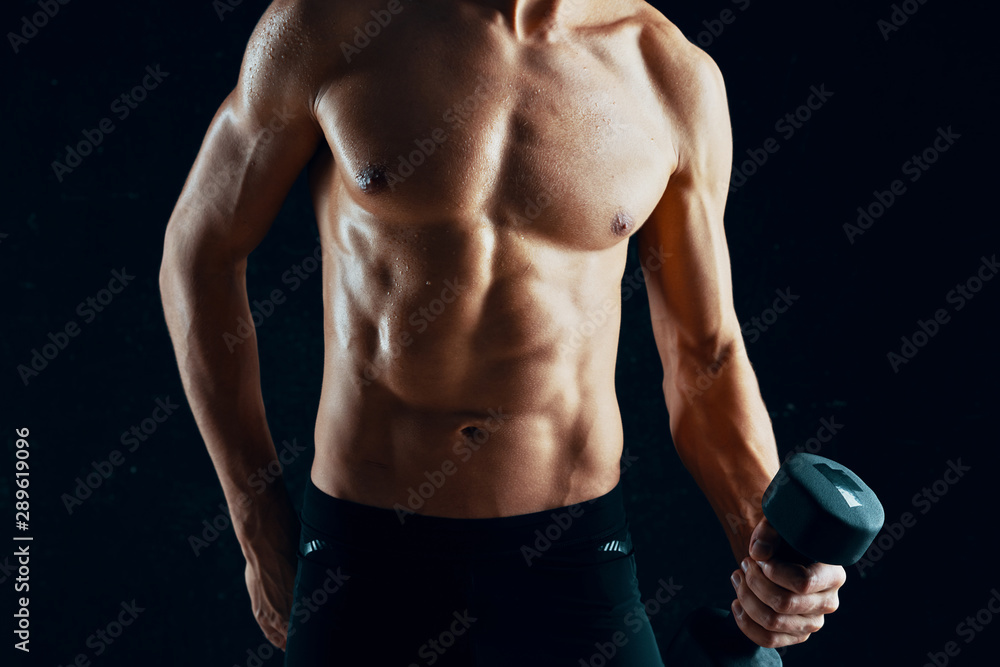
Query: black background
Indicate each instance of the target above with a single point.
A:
(826, 358)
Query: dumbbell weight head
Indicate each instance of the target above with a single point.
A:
(822, 510)
(710, 638)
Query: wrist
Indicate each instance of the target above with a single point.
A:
(266, 518)
(740, 516)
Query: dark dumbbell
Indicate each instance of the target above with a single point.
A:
(823, 513)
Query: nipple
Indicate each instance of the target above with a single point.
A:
(622, 224)
(372, 178)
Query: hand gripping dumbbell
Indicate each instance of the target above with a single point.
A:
(823, 513)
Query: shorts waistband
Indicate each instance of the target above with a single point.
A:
(328, 518)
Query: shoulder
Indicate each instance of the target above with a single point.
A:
(292, 52)
(682, 72)
(690, 86)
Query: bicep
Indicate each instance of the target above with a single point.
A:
(690, 297)
(240, 177)
(258, 142)
(693, 290)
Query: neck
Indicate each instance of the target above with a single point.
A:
(527, 17)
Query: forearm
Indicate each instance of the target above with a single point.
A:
(724, 437)
(203, 301)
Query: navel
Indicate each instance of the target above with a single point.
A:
(372, 179)
(622, 224)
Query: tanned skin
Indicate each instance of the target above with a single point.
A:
(455, 287)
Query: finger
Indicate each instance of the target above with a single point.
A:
(276, 634)
(764, 540)
(770, 619)
(759, 635)
(804, 579)
(272, 625)
(785, 601)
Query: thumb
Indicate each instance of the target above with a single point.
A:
(764, 541)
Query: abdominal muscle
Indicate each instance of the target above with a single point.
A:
(469, 370)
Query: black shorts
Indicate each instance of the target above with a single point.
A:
(381, 588)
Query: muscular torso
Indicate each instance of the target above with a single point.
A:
(475, 202)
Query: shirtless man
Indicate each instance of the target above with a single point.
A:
(477, 168)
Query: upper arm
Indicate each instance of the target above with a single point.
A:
(260, 139)
(690, 297)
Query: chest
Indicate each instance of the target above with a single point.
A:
(553, 141)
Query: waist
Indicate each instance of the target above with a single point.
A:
(328, 519)
(487, 462)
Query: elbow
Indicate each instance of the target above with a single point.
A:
(177, 267)
(718, 348)
(169, 271)
(697, 366)
(708, 353)
(191, 261)
(164, 276)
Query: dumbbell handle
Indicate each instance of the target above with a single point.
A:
(786, 552)
(813, 491)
